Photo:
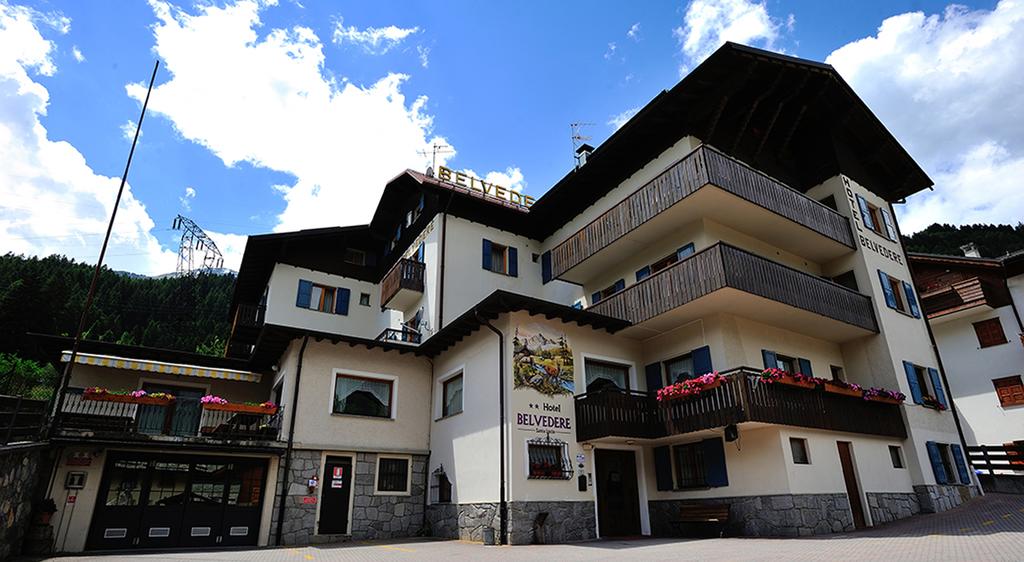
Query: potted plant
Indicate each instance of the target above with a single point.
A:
(772, 375)
(126, 397)
(884, 396)
(213, 402)
(44, 510)
(690, 387)
(844, 388)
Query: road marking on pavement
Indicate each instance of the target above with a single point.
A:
(309, 557)
(398, 548)
(1007, 516)
(964, 529)
(989, 522)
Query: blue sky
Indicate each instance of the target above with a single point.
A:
(278, 116)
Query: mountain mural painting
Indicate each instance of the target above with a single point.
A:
(542, 361)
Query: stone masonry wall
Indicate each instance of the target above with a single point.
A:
(19, 470)
(462, 521)
(935, 499)
(299, 518)
(890, 506)
(783, 515)
(566, 521)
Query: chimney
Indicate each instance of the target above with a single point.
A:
(970, 250)
(582, 153)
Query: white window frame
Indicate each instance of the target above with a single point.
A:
(366, 375)
(408, 475)
(439, 403)
(633, 382)
(807, 450)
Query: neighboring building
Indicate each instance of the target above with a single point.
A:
(973, 305)
(468, 361)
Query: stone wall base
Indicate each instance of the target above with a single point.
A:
(890, 506)
(19, 471)
(784, 515)
(939, 498)
(567, 521)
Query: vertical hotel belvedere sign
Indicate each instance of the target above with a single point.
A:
(488, 189)
(543, 376)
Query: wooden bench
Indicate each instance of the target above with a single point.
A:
(715, 515)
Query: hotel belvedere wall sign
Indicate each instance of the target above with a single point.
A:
(858, 220)
(488, 189)
(542, 364)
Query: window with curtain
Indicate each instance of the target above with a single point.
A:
(602, 375)
(392, 474)
(363, 396)
(548, 459)
(452, 396)
(679, 369)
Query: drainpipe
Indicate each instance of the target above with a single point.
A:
(502, 501)
(291, 441)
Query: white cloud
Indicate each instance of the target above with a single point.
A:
(77, 53)
(634, 32)
(707, 24)
(511, 179)
(949, 88)
(51, 201)
(424, 55)
(610, 52)
(619, 120)
(270, 102)
(186, 199)
(374, 40)
(128, 130)
(231, 246)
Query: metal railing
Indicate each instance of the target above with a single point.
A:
(22, 419)
(400, 335)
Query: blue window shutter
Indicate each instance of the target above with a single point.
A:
(305, 293)
(701, 360)
(643, 273)
(865, 213)
(915, 388)
(770, 361)
(940, 395)
(487, 255)
(909, 291)
(805, 367)
(890, 296)
(653, 374)
(936, 458)
(890, 227)
(685, 252)
(961, 466)
(595, 298)
(663, 467)
(513, 262)
(545, 267)
(341, 301)
(421, 252)
(619, 285)
(715, 474)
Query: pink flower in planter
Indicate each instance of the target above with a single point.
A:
(211, 399)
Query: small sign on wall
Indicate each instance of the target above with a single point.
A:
(339, 472)
(309, 500)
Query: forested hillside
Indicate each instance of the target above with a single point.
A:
(993, 240)
(46, 295)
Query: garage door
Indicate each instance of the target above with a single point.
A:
(169, 501)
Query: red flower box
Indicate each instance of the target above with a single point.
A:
(884, 400)
(791, 381)
(845, 391)
(127, 398)
(242, 408)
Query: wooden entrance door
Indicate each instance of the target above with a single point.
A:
(852, 489)
(618, 495)
(334, 496)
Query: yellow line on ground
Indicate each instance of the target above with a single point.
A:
(1007, 516)
(964, 529)
(398, 548)
(989, 522)
(309, 557)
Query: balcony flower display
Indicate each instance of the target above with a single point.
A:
(846, 388)
(691, 387)
(883, 395)
(932, 402)
(772, 375)
(213, 402)
(129, 397)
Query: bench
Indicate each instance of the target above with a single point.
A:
(714, 515)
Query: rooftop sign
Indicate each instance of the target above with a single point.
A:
(492, 190)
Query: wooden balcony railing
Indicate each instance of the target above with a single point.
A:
(723, 265)
(249, 316)
(21, 419)
(741, 398)
(703, 166)
(405, 274)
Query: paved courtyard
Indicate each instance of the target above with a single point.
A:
(989, 528)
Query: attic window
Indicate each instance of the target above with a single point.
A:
(354, 256)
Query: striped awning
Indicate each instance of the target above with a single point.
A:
(160, 367)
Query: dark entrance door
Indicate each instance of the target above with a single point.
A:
(334, 496)
(852, 489)
(618, 495)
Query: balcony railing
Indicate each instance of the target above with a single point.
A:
(721, 266)
(249, 315)
(703, 166)
(405, 277)
(741, 398)
(21, 419)
(186, 420)
(400, 335)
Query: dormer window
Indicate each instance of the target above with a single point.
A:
(354, 256)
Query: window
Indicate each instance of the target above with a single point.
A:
(440, 487)
(679, 369)
(990, 332)
(608, 291)
(392, 475)
(548, 459)
(500, 259)
(837, 373)
(949, 465)
(947, 462)
(322, 297)
(876, 219)
(1010, 391)
(785, 363)
(848, 280)
(896, 454)
(354, 256)
(364, 299)
(922, 380)
(361, 396)
(452, 396)
(830, 202)
(799, 448)
(675, 257)
(690, 465)
(125, 487)
(899, 295)
(602, 375)
(925, 386)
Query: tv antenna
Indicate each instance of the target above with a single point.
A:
(436, 149)
(197, 251)
(579, 139)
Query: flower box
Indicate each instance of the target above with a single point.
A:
(690, 388)
(884, 400)
(241, 408)
(843, 390)
(789, 380)
(128, 398)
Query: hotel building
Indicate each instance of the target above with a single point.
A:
(467, 364)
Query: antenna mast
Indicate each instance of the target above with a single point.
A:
(197, 251)
(578, 139)
(438, 148)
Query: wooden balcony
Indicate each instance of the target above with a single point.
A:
(724, 278)
(741, 398)
(739, 196)
(943, 304)
(403, 285)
